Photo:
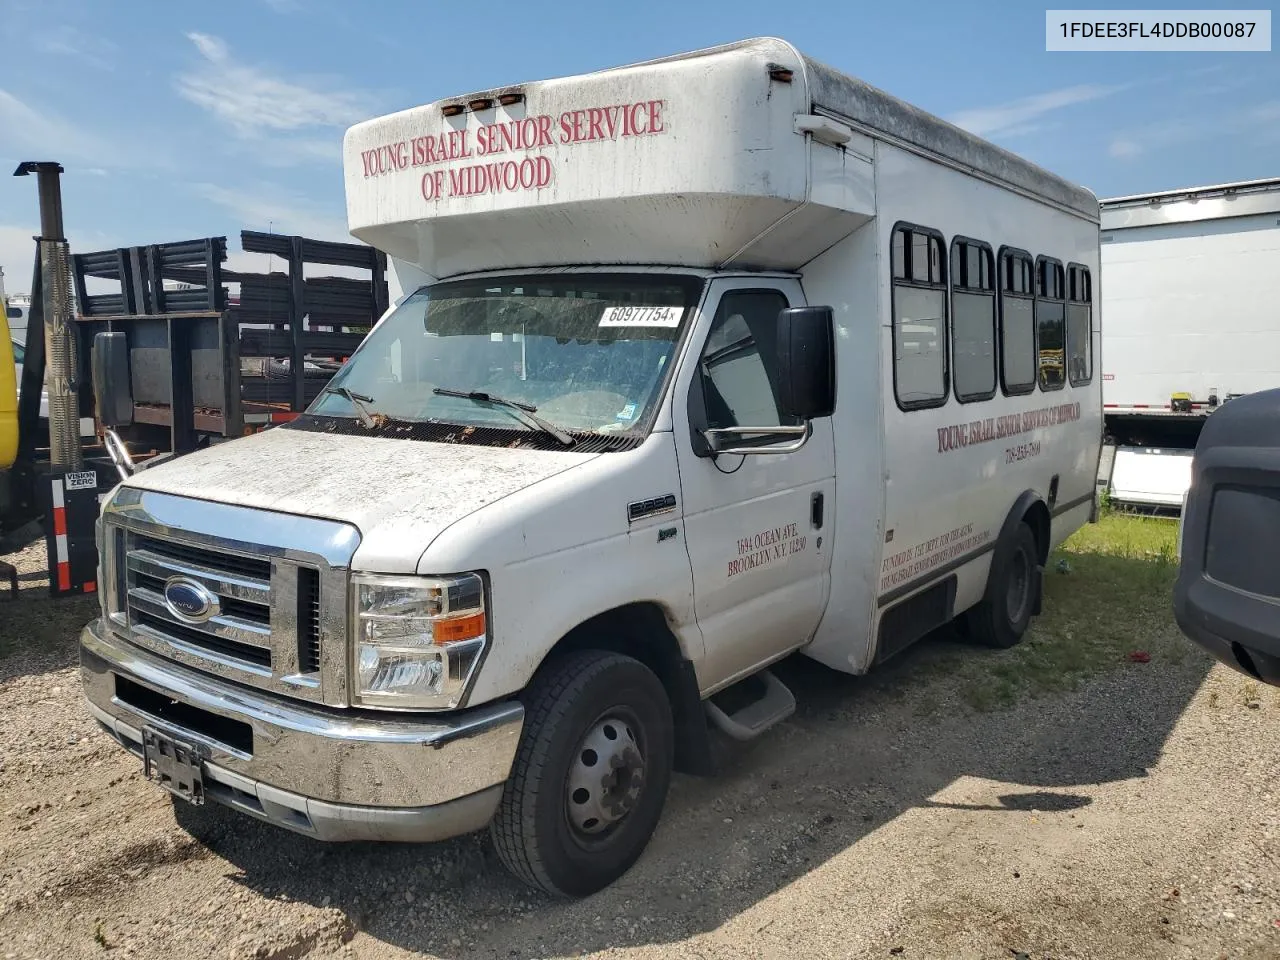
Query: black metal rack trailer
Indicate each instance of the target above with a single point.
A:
(205, 363)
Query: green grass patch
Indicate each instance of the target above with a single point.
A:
(1108, 594)
(1128, 536)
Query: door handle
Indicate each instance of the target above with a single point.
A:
(815, 511)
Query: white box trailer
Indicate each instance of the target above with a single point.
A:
(708, 360)
(1191, 290)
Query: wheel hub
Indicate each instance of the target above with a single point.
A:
(606, 777)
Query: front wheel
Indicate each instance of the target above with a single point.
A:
(1004, 614)
(591, 774)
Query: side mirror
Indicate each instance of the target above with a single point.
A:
(806, 362)
(805, 379)
(112, 392)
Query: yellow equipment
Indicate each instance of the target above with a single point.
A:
(8, 391)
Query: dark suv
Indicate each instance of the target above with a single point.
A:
(1227, 597)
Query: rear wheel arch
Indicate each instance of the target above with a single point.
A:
(1019, 555)
(1030, 509)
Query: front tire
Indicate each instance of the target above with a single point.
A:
(1004, 614)
(591, 774)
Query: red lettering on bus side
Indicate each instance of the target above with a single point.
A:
(655, 116)
(638, 110)
(544, 131)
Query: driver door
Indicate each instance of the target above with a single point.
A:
(757, 526)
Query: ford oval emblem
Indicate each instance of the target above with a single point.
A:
(190, 601)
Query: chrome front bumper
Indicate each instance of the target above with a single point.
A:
(329, 774)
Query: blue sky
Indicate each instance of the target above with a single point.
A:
(183, 120)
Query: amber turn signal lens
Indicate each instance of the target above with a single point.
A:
(458, 628)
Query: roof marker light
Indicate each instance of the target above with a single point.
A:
(452, 109)
(480, 103)
(780, 73)
(508, 99)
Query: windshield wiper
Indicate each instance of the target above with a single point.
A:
(358, 401)
(523, 411)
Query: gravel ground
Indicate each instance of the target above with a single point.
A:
(1135, 816)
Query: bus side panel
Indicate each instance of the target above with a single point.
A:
(844, 278)
(956, 469)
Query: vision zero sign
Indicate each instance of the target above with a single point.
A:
(470, 163)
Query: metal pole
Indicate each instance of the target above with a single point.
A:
(59, 330)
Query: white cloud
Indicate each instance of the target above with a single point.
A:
(1264, 112)
(268, 208)
(1016, 116)
(46, 136)
(1257, 121)
(290, 151)
(67, 41)
(1123, 148)
(1133, 143)
(17, 257)
(253, 101)
(211, 48)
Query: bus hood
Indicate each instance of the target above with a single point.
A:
(401, 494)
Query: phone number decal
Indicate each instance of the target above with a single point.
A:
(1023, 451)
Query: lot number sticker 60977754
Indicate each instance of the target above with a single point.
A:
(641, 317)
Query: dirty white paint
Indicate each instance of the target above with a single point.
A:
(400, 494)
(688, 161)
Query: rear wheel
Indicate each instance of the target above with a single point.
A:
(591, 774)
(1004, 614)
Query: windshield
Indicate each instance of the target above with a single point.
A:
(587, 352)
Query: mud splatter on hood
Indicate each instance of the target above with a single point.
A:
(400, 494)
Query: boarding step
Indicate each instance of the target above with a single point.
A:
(751, 706)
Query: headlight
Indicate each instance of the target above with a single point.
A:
(418, 640)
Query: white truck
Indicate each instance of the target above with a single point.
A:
(706, 360)
(1191, 290)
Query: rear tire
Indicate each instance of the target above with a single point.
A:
(1004, 614)
(591, 774)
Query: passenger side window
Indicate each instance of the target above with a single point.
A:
(973, 320)
(1051, 337)
(1079, 325)
(1017, 323)
(739, 365)
(919, 318)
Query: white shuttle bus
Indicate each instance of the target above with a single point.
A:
(703, 361)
